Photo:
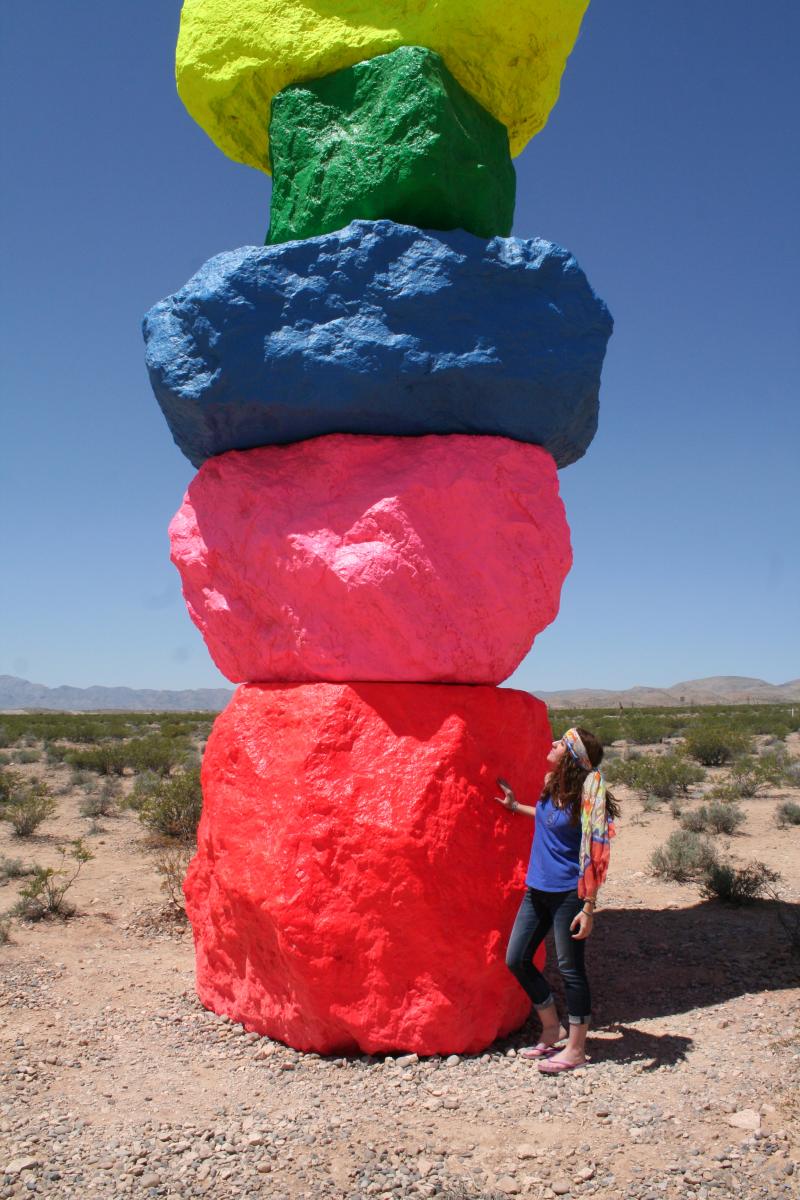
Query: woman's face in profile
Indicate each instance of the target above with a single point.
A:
(557, 752)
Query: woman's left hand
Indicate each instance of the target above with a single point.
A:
(581, 926)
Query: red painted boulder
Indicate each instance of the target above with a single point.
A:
(353, 557)
(355, 881)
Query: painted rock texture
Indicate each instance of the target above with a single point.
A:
(234, 55)
(394, 137)
(347, 557)
(355, 880)
(384, 329)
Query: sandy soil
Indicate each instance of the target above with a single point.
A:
(114, 1081)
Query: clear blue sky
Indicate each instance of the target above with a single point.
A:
(668, 167)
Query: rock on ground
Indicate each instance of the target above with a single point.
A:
(381, 329)
(399, 559)
(355, 881)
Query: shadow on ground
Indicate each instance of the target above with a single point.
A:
(657, 962)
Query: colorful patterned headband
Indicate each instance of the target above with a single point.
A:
(576, 748)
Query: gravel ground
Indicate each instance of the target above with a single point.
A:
(114, 1081)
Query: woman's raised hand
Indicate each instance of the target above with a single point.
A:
(508, 800)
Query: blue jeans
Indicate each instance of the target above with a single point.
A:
(538, 913)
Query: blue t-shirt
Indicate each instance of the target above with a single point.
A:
(555, 852)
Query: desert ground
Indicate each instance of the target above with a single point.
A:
(114, 1081)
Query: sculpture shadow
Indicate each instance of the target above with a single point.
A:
(645, 963)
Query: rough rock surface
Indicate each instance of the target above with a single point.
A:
(355, 881)
(386, 329)
(233, 56)
(432, 559)
(394, 137)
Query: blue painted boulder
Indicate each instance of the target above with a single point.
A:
(381, 329)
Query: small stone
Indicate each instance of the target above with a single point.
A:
(452, 1060)
(508, 1185)
(17, 1165)
(561, 1187)
(745, 1118)
(407, 1060)
(151, 1180)
(584, 1175)
(526, 1151)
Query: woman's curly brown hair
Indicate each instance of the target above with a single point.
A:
(565, 785)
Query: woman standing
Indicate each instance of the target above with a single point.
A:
(569, 861)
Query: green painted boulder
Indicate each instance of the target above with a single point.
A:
(397, 137)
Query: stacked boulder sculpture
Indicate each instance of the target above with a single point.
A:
(377, 401)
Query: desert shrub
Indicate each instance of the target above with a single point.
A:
(748, 775)
(171, 864)
(684, 855)
(55, 752)
(45, 895)
(5, 738)
(152, 753)
(158, 754)
(28, 807)
(644, 728)
(695, 820)
(724, 818)
(738, 885)
(143, 787)
(787, 813)
(5, 758)
(13, 868)
(27, 756)
(659, 776)
(106, 759)
(81, 778)
(716, 817)
(173, 807)
(10, 782)
(713, 745)
(676, 810)
(791, 772)
(101, 802)
(5, 931)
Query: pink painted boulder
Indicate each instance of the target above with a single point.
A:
(355, 881)
(373, 558)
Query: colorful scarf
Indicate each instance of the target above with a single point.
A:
(596, 829)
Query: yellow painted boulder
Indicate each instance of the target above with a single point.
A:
(233, 56)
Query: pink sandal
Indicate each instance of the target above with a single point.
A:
(540, 1050)
(556, 1068)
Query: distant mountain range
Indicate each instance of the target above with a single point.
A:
(718, 689)
(18, 694)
